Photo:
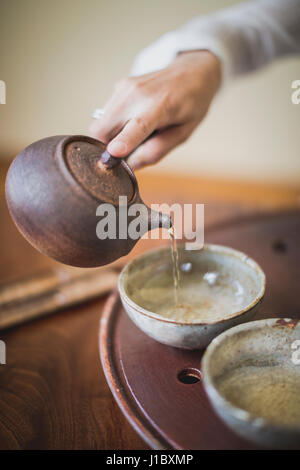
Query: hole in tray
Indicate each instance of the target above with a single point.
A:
(189, 376)
(279, 246)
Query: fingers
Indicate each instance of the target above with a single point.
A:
(123, 137)
(175, 98)
(115, 114)
(160, 144)
(107, 126)
(130, 117)
(133, 112)
(133, 134)
(104, 129)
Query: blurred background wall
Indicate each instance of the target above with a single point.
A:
(60, 59)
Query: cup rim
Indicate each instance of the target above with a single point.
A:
(207, 247)
(212, 390)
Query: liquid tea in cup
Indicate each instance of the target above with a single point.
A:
(193, 286)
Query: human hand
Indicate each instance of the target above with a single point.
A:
(148, 116)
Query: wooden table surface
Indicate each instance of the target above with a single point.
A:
(53, 394)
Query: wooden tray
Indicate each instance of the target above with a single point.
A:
(143, 374)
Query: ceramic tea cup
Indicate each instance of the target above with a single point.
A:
(251, 374)
(219, 287)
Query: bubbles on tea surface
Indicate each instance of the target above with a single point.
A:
(186, 267)
(211, 277)
(207, 295)
(207, 291)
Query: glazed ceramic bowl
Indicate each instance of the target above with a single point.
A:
(251, 374)
(238, 274)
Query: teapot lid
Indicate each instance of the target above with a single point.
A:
(82, 157)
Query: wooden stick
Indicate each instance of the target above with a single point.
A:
(43, 281)
(50, 291)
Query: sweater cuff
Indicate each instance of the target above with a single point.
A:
(162, 52)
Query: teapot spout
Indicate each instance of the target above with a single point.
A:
(158, 220)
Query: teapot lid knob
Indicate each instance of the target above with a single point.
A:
(100, 174)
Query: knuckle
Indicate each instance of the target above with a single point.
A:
(140, 87)
(167, 104)
(142, 124)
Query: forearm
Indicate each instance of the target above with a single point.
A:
(244, 38)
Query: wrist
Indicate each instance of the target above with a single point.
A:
(205, 64)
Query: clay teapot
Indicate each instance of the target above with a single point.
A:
(54, 188)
